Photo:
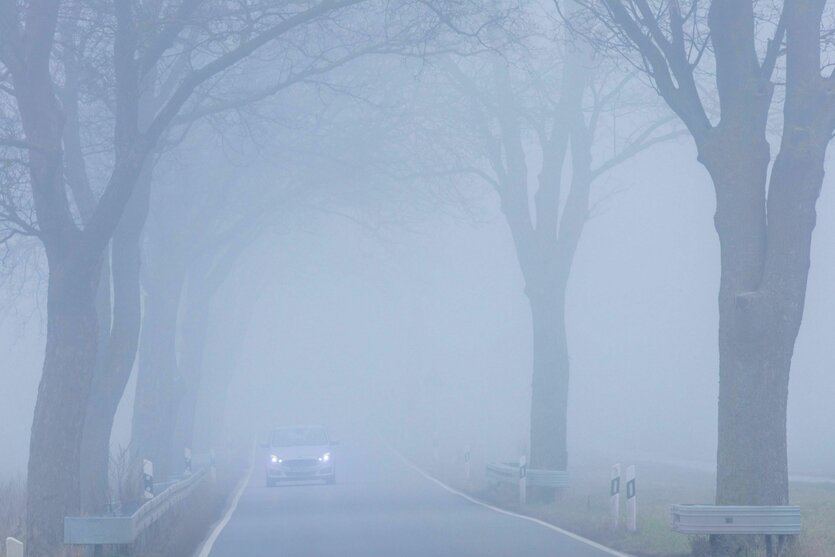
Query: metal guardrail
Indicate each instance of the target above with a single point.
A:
(505, 472)
(14, 547)
(742, 520)
(107, 530)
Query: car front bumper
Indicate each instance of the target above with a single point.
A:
(303, 469)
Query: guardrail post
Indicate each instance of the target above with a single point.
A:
(14, 548)
(467, 462)
(614, 497)
(631, 500)
(523, 480)
(187, 455)
(148, 479)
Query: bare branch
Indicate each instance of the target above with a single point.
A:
(642, 143)
(775, 46)
(119, 187)
(167, 36)
(298, 77)
(664, 60)
(170, 110)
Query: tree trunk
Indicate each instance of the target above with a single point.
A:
(89, 490)
(761, 301)
(196, 316)
(152, 412)
(549, 385)
(750, 435)
(53, 489)
(119, 353)
(765, 245)
(207, 273)
(95, 458)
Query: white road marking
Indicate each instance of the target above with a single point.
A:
(454, 491)
(207, 546)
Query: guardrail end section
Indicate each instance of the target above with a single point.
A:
(14, 548)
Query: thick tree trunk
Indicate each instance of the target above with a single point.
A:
(90, 491)
(157, 372)
(196, 316)
(119, 353)
(95, 458)
(752, 432)
(207, 274)
(549, 386)
(53, 489)
(765, 262)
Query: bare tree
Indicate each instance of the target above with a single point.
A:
(521, 107)
(189, 256)
(168, 390)
(118, 307)
(120, 344)
(74, 251)
(765, 206)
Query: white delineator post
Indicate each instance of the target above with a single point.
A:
(523, 479)
(187, 455)
(467, 462)
(148, 479)
(14, 548)
(614, 497)
(212, 466)
(631, 500)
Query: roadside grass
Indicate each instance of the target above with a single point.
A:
(817, 509)
(583, 509)
(12, 510)
(181, 534)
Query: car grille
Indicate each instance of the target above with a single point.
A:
(300, 463)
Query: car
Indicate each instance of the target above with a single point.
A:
(300, 453)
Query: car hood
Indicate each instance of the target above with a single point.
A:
(300, 452)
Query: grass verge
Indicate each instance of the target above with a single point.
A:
(584, 509)
(181, 534)
(12, 511)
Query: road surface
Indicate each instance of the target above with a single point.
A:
(379, 507)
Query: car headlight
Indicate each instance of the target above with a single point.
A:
(325, 457)
(274, 459)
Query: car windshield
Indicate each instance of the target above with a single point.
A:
(290, 437)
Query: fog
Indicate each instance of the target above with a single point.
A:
(351, 319)
(563, 233)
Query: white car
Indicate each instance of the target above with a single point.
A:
(298, 454)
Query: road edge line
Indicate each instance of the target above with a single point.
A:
(499, 510)
(206, 548)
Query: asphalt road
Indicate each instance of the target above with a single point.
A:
(379, 507)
